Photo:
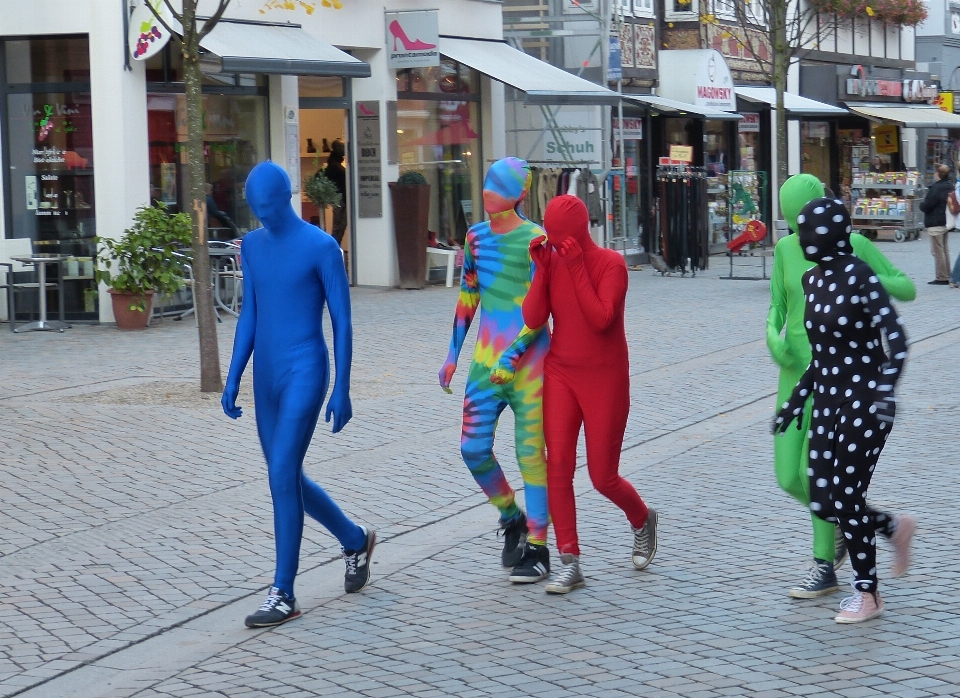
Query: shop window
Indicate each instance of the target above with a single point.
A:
(54, 60)
(446, 78)
(441, 139)
(681, 7)
(234, 141)
(643, 8)
(49, 149)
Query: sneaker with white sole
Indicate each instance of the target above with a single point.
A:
(277, 609)
(357, 575)
(904, 527)
(860, 607)
(568, 578)
(645, 541)
(839, 548)
(821, 580)
(533, 566)
(514, 534)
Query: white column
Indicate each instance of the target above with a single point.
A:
(284, 102)
(120, 145)
(494, 119)
(376, 251)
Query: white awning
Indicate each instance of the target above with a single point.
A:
(541, 82)
(907, 115)
(794, 104)
(254, 47)
(671, 106)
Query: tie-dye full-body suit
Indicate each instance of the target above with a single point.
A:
(497, 273)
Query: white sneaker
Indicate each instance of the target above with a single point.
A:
(568, 578)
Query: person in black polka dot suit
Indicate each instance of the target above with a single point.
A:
(852, 380)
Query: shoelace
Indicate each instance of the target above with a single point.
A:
(641, 537)
(852, 603)
(814, 576)
(273, 599)
(351, 559)
(566, 575)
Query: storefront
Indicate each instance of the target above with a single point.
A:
(91, 136)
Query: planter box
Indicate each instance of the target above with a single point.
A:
(411, 216)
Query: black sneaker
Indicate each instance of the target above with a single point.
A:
(514, 534)
(839, 548)
(358, 564)
(533, 566)
(820, 581)
(277, 609)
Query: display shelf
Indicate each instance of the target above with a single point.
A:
(878, 218)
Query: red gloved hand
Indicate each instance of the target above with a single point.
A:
(571, 252)
(540, 253)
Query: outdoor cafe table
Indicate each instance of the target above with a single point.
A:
(40, 261)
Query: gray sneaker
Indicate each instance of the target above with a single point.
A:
(568, 578)
(839, 548)
(645, 541)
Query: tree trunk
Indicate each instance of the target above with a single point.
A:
(781, 65)
(210, 379)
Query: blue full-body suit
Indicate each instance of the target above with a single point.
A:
(290, 269)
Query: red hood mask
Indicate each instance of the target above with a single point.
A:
(566, 216)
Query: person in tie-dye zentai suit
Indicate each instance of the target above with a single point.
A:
(497, 272)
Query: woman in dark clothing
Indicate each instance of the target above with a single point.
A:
(337, 173)
(934, 207)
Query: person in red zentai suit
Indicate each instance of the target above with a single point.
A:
(586, 378)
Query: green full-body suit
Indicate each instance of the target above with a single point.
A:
(792, 352)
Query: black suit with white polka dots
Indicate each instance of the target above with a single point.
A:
(852, 380)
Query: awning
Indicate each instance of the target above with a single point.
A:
(681, 108)
(909, 116)
(540, 81)
(794, 104)
(253, 47)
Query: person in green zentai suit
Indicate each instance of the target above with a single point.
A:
(792, 353)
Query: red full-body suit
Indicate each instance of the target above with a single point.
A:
(587, 370)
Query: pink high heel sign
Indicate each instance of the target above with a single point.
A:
(413, 39)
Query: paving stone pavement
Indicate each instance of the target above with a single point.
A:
(135, 527)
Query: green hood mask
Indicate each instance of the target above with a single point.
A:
(796, 193)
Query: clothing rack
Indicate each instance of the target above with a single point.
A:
(682, 217)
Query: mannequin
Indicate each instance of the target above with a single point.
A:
(290, 270)
(852, 381)
(792, 353)
(496, 276)
(587, 377)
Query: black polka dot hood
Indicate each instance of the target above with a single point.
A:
(824, 228)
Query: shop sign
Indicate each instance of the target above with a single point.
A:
(369, 167)
(412, 39)
(698, 76)
(632, 128)
(750, 123)
(291, 136)
(885, 139)
(919, 91)
(614, 68)
(945, 101)
(861, 86)
(681, 153)
(817, 129)
(146, 36)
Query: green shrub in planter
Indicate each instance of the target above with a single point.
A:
(145, 254)
(321, 191)
(410, 178)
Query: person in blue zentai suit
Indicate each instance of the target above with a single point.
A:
(290, 269)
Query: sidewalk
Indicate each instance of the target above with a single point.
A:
(136, 531)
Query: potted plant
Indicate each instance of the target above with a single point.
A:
(322, 192)
(410, 196)
(146, 263)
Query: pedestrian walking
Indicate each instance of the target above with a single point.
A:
(586, 378)
(934, 207)
(792, 352)
(852, 379)
(290, 271)
(497, 272)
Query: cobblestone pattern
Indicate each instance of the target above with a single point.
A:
(122, 519)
